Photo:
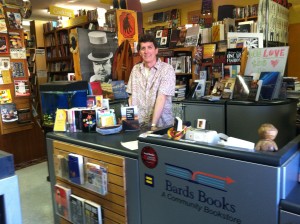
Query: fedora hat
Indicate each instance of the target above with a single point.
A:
(100, 51)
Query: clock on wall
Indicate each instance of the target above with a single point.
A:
(26, 9)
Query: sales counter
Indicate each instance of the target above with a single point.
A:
(241, 119)
(183, 182)
(179, 182)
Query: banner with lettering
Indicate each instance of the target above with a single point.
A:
(270, 59)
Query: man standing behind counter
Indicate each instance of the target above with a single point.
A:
(151, 86)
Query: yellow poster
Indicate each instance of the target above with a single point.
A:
(127, 26)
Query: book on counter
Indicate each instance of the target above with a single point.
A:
(107, 90)
(119, 89)
(270, 79)
(76, 174)
(254, 91)
(92, 212)
(62, 201)
(200, 89)
(229, 87)
(88, 117)
(77, 209)
(95, 88)
(242, 87)
(130, 118)
(96, 178)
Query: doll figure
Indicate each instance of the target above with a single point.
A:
(267, 133)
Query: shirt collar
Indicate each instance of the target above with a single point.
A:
(156, 66)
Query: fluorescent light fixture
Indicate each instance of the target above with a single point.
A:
(147, 1)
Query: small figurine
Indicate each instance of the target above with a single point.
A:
(267, 133)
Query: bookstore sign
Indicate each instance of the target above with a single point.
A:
(54, 10)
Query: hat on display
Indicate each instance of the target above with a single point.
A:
(100, 50)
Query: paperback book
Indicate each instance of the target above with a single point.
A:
(269, 81)
(242, 87)
(8, 112)
(88, 120)
(77, 209)
(130, 119)
(22, 87)
(76, 174)
(17, 69)
(96, 178)
(119, 89)
(61, 165)
(62, 201)
(254, 91)
(229, 87)
(92, 212)
(5, 96)
(200, 89)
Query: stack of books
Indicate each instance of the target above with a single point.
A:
(180, 91)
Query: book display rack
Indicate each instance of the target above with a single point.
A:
(95, 176)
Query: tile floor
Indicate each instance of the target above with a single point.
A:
(35, 194)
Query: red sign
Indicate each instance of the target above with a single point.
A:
(149, 157)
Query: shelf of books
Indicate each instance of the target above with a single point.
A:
(58, 56)
(89, 185)
(14, 77)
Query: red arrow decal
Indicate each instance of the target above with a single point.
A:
(228, 180)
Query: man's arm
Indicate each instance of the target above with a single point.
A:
(129, 100)
(158, 108)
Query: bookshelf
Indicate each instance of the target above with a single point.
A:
(58, 57)
(16, 70)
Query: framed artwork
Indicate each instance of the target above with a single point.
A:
(201, 123)
(249, 40)
(4, 45)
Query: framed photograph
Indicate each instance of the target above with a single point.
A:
(249, 40)
(4, 45)
(201, 123)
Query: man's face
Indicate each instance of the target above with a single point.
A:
(102, 68)
(148, 52)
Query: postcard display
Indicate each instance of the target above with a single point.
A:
(14, 77)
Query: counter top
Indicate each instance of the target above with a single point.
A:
(107, 143)
(275, 159)
(241, 102)
(112, 144)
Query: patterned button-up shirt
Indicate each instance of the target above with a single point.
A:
(144, 90)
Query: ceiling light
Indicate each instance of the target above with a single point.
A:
(146, 1)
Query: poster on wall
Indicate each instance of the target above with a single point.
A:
(127, 27)
(96, 50)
